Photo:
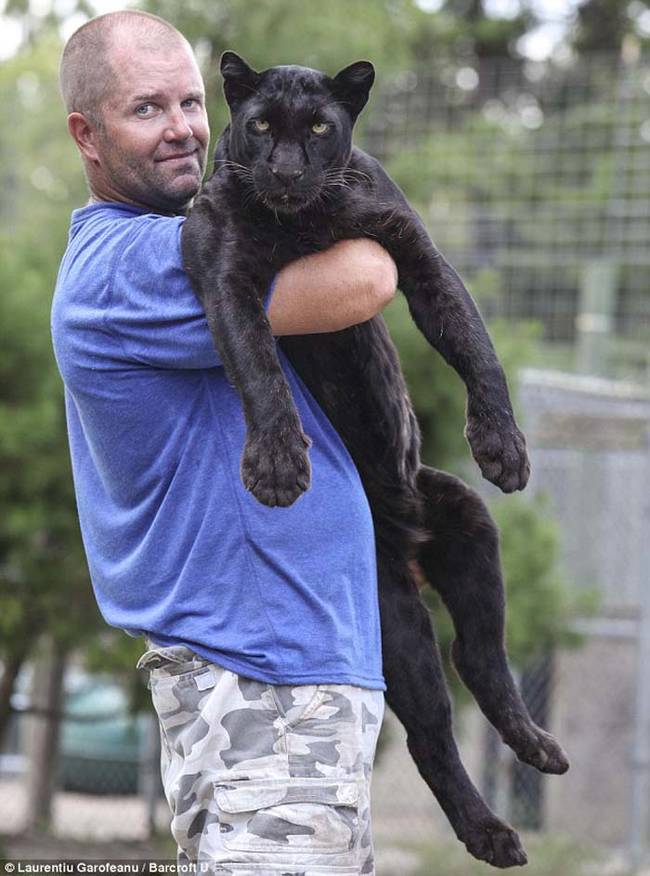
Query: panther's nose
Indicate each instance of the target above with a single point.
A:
(286, 176)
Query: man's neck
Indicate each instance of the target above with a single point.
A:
(98, 199)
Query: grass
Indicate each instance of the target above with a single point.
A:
(547, 856)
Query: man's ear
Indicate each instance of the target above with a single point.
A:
(83, 133)
(352, 85)
(239, 80)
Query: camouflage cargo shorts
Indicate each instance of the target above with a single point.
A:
(260, 778)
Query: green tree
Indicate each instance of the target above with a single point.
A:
(44, 583)
(467, 29)
(603, 25)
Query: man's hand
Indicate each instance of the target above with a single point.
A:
(344, 285)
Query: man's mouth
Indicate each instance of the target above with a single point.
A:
(180, 157)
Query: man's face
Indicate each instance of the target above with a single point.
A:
(153, 144)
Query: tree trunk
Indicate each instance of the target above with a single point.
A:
(44, 736)
(12, 667)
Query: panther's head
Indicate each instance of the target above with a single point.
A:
(291, 128)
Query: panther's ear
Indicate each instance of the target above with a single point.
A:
(239, 80)
(352, 85)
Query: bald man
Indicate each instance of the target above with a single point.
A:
(262, 624)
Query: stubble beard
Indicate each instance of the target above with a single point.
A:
(151, 184)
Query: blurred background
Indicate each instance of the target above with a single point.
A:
(520, 130)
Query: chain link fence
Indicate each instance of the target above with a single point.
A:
(535, 181)
(534, 178)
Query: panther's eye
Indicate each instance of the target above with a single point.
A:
(261, 125)
(320, 127)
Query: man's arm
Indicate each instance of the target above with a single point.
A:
(160, 322)
(348, 283)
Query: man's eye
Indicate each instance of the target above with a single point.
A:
(320, 127)
(144, 109)
(261, 125)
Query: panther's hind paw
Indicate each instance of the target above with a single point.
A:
(539, 749)
(496, 843)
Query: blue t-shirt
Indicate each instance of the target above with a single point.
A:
(176, 547)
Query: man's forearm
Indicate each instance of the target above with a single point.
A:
(328, 291)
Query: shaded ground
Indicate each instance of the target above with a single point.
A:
(53, 848)
(547, 857)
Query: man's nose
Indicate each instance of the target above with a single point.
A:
(178, 127)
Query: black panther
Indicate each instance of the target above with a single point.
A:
(288, 180)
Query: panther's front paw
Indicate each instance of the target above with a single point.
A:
(495, 842)
(275, 466)
(499, 448)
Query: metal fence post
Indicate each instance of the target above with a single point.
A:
(640, 791)
(149, 774)
(598, 287)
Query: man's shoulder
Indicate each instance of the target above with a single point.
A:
(108, 237)
(122, 294)
(97, 232)
(100, 226)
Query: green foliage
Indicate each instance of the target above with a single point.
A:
(534, 193)
(327, 37)
(541, 607)
(43, 579)
(39, 168)
(291, 32)
(492, 157)
(43, 582)
(602, 25)
(114, 654)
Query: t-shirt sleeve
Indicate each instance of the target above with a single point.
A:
(153, 308)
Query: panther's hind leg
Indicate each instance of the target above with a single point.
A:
(461, 561)
(417, 693)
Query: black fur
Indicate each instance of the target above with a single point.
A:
(288, 182)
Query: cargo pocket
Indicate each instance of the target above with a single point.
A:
(295, 815)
